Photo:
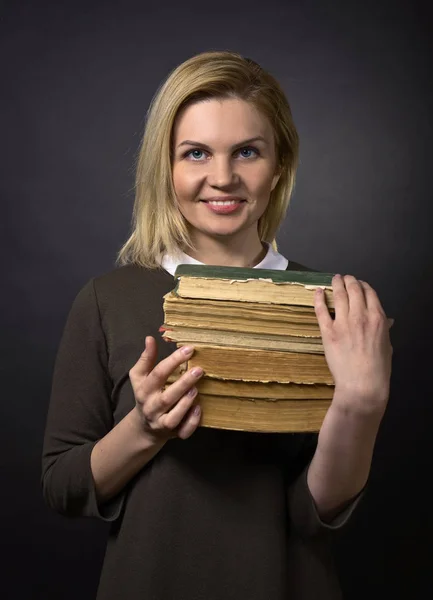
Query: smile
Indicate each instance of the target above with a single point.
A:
(223, 207)
(224, 203)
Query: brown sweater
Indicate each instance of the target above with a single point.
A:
(223, 515)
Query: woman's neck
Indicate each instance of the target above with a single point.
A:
(215, 252)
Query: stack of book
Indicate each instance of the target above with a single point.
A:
(257, 338)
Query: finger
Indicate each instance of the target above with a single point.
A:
(190, 422)
(322, 312)
(371, 297)
(182, 384)
(147, 360)
(341, 300)
(355, 295)
(173, 418)
(163, 403)
(158, 376)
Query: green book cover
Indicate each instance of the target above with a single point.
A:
(218, 272)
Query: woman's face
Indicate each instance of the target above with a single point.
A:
(215, 155)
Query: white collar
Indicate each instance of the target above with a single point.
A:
(272, 260)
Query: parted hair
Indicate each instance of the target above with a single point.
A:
(158, 226)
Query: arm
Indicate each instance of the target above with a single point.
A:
(80, 414)
(341, 465)
(358, 352)
(120, 455)
(86, 462)
(334, 480)
(359, 355)
(305, 519)
(160, 414)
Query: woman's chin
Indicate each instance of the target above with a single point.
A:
(218, 232)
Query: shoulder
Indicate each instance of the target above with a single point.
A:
(131, 283)
(130, 277)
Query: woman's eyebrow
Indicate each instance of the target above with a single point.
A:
(258, 138)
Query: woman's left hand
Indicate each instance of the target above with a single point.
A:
(357, 346)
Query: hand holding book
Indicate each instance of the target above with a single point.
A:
(357, 345)
(170, 412)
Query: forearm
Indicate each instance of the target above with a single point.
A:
(341, 464)
(120, 455)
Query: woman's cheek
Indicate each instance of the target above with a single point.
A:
(185, 182)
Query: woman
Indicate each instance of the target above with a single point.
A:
(198, 513)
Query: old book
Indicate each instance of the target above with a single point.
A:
(192, 335)
(262, 415)
(256, 389)
(256, 335)
(248, 364)
(252, 285)
(236, 316)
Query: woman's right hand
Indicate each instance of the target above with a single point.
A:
(168, 413)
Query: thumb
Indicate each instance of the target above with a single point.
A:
(147, 359)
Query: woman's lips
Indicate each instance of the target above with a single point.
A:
(224, 209)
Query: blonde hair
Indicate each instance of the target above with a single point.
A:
(158, 226)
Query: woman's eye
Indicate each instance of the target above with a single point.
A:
(250, 150)
(195, 153)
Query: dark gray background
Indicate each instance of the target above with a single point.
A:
(76, 80)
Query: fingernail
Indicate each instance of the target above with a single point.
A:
(197, 371)
(192, 392)
(187, 349)
(196, 410)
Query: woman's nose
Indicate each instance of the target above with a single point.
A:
(221, 172)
